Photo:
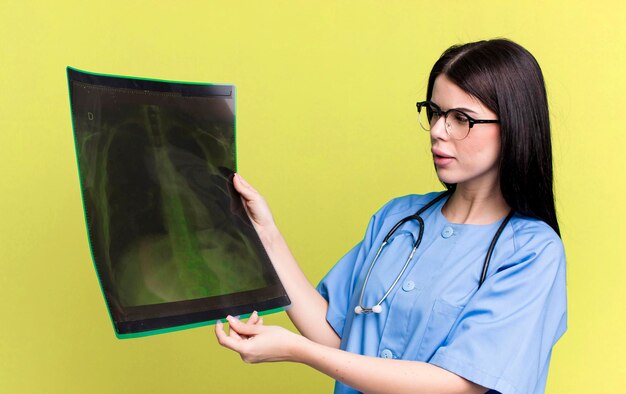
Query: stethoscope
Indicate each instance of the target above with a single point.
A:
(377, 308)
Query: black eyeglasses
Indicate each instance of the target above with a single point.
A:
(458, 123)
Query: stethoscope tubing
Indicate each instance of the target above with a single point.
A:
(492, 246)
(377, 308)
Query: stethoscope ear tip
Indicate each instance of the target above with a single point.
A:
(377, 308)
(358, 310)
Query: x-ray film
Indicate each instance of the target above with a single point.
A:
(170, 240)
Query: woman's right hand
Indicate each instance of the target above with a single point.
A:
(257, 209)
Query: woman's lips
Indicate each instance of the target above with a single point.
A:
(440, 158)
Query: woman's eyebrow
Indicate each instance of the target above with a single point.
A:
(462, 109)
(435, 105)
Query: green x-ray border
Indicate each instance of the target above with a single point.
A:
(174, 328)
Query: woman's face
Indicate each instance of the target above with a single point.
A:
(473, 161)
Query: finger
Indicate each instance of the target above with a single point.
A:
(244, 202)
(233, 334)
(259, 320)
(246, 192)
(254, 318)
(243, 181)
(224, 339)
(244, 188)
(242, 328)
(219, 330)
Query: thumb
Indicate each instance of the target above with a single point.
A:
(243, 329)
(244, 188)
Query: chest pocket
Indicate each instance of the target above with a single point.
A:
(442, 317)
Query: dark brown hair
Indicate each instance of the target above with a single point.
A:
(507, 79)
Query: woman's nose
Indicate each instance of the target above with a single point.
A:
(438, 129)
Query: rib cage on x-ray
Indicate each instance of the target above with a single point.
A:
(168, 235)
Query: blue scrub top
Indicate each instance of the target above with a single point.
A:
(499, 336)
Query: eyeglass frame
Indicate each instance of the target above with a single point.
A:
(470, 120)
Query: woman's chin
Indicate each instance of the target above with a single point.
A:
(446, 178)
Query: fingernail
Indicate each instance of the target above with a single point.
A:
(254, 313)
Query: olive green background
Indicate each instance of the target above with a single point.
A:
(326, 129)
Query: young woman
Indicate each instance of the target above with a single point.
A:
(468, 294)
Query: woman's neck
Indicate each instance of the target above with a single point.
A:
(475, 206)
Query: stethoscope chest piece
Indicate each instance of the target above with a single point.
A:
(359, 310)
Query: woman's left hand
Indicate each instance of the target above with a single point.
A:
(257, 343)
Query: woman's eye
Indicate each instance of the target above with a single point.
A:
(460, 118)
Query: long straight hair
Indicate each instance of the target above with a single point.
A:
(507, 79)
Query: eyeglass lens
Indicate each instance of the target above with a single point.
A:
(456, 123)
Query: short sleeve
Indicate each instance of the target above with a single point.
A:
(336, 288)
(504, 336)
(338, 285)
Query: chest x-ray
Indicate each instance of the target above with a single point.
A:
(170, 240)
